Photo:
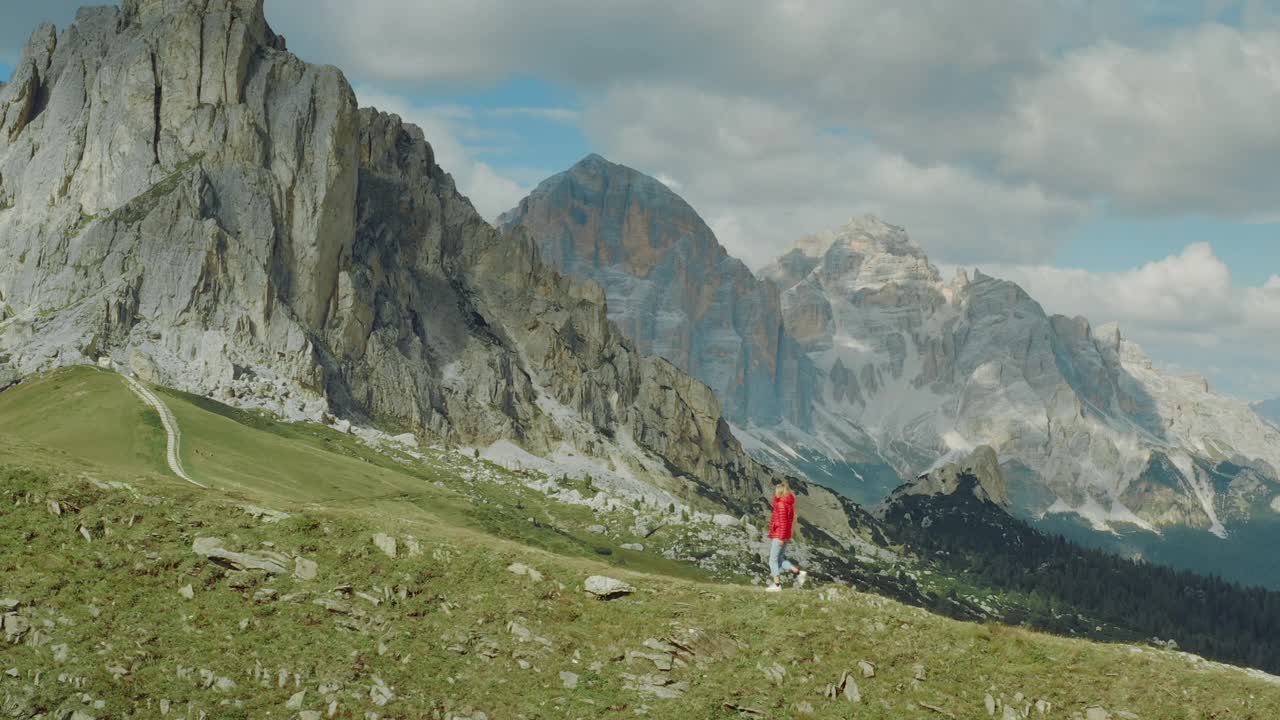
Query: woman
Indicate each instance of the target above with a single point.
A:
(784, 516)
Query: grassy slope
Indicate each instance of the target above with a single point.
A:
(446, 647)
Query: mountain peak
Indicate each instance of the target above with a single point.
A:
(979, 473)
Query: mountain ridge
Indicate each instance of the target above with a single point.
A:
(672, 287)
(189, 198)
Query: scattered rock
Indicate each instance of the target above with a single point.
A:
(187, 592)
(84, 532)
(314, 714)
(846, 688)
(633, 546)
(265, 595)
(55, 508)
(1126, 715)
(774, 673)
(269, 562)
(521, 632)
(386, 544)
(9, 604)
(868, 670)
(938, 710)
(804, 708)
(598, 530)
(1096, 713)
(60, 653)
(607, 588)
(919, 672)
(296, 700)
(724, 520)
(304, 569)
(12, 672)
(1043, 707)
(407, 439)
(569, 680)
(379, 693)
(266, 515)
(990, 704)
(333, 605)
(659, 686)
(15, 626)
(522, 569)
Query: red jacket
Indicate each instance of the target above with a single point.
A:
(784, 515)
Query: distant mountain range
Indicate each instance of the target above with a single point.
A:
(898, 368)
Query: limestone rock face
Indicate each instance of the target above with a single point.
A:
(978, 474)
(180, 193)
(671, 287)
(1081, 419)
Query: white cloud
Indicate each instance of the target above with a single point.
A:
(1185, 125)
(1185, 309)
(1049, 106)
(764, 175)
(490, 191)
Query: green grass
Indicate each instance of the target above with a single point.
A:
(83, 416)
(441, 640)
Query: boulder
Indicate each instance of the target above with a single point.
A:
(607, 588)
(304, 569)
(271, 563)
(386, 544)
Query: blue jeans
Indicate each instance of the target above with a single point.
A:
(778, 561)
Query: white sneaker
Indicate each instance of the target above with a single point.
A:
(773, 588)
(801, 578)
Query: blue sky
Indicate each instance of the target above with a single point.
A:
(1032, 138)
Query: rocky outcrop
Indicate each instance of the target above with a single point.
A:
(1082, 420)
(978, 475)
(671, 287)
(189, 198)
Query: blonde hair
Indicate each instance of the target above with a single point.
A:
(781, 488)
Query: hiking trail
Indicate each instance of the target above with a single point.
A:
(171, 430)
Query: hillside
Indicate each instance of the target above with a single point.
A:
(182, 195)
(478, 610)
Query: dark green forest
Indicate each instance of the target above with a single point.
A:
(1070, 589)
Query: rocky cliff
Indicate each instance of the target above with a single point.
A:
(1080, 417)
(978, 475)
(671, 286)
(182, 194)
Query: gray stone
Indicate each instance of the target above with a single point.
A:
(1096, 713)
(272, 563)
(569, 680)
(724, 520)
(637, 547)
(868, 670)
(296, 700)
(187, 592)
(386, 544)
(15, 626)
(607, 588)
(304, 569)
(522, 569)
(598, 530)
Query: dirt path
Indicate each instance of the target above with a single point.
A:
(171, 429)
